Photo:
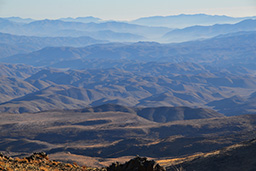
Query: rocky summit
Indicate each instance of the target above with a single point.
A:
(38, 161)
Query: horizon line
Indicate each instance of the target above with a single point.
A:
(127, 20)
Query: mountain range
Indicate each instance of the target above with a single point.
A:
(199, 32)
(57, 28)
(143, 30)
(88, 19)
(215, 51)
(187, 20)
(146, 84)
(172, 21)
(12, 44)
(177, 89)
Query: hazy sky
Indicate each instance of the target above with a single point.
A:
(123, 9)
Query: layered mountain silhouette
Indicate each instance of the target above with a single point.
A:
(12, 44)
(186, 20)
(9, 50)
(106, 30)
(149, 29)
(215, 51)
(19, 19)
(199, 32)
(84, 89)
(82, 19)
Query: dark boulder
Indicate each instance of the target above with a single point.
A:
(136, 164)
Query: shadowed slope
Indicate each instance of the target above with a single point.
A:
(236, 157)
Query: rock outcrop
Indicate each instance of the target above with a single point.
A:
(138, 163)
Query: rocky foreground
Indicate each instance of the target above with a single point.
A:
(237, 157)
(41, 162)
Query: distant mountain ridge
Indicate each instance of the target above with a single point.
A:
(88, 19)
(19, 19)
(198, 26)
(214, 51)
(199, 32)
(186, 20)
(53, 28)
(172, 21)
(13, 44)
(9, 50)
